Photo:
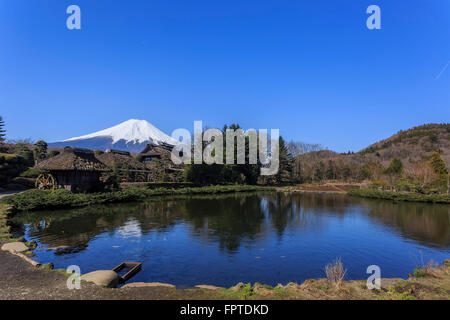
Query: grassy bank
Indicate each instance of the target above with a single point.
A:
(431, 282)
(399, 196)
(4, 228)
(40, 199)
(428, 283)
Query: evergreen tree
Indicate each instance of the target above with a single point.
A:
(395, 167)
(284, 174)
(53, 153)
(242, 173)
(394, 170)
(224, 173)
(22, 149)
(2, 130)
(440, 168)
(438, 164)
(40, 150)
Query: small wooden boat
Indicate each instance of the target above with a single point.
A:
(132, 267)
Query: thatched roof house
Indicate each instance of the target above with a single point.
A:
(120, 159)
(158, 160)
(74, 169)
(152, 152)
(124, 165)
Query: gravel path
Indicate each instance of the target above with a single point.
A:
(19, 280)
(9, 193)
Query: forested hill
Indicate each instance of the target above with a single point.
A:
(411, 146)
(415, 144)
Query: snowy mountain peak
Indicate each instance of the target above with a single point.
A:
(131, 131)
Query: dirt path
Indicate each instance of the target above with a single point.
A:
(20, 280)
(9, 193)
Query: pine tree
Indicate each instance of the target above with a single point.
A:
(438, 164)
(2, 130)
(284, 174)
(40, 150)
(394, 171)
(23, 150)
(440, 168)
(395, 167)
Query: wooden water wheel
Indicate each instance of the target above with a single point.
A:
(45, 181)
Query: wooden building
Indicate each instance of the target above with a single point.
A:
(127, 168)
(152, 152)
(75, 169)
(157, 159)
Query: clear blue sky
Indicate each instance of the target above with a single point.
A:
(310, 68)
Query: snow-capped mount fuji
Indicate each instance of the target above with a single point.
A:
(132, 135)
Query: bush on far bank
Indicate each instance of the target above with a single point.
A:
(400, 196)
(42, 199)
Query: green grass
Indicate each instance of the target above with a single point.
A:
(420, 273)
(8, 156)
(399, 196)
(155, 185)
(41, 199)
(4, 228)
(47, 266)
(247, 291)
(393, 294)
(61, 271)
(31, 173)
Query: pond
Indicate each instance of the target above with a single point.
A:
(260, 237)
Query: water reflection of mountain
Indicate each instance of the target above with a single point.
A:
(231, 220)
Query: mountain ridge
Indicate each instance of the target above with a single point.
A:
(413, 145)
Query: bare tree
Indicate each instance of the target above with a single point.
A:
(297, 147)
(422, 172)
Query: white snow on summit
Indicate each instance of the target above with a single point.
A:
(134, 131)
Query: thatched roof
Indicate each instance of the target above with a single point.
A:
(121, 159)
(147, 149)
(73, 159)
(125, 153)
(152, 153)
(152, 150)
(162, 147)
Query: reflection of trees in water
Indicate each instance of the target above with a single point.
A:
(75, 228)
(322, 202)
(304, 211)
(228, 221)
(281, 212)
(427, 223)
(232, 220)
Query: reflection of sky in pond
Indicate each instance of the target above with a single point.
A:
(131, 228)
(270, 238)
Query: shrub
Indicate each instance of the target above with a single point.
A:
(98, 152)
(31, 173)
(53, 153)
(405, 184)
(425, 270)
(42, 199)
(23, 150)
(398, 196)
(335, 273)
(11, 165)
(379, 183)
